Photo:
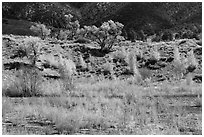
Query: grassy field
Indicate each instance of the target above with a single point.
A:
(107, 107)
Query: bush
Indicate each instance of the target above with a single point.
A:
(62, 35)
(108, 68)
(145, 73)
(32, 46)
(155, 55)
(66, 69)
(49, 61)
(70, 29)
(71, 26)
(191, 59)
(27, 80)
(120, 55)
(24, 84)
(81, 63)
(106, 35)
(40, 30)
(132, 62)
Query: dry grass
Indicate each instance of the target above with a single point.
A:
(23, 84)
(52, 88)
(28, 82)
(105, 104)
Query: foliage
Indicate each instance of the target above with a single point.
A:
(70, 29)
(71, 25)
(40, 30)
(49, 13)
(149, 17)
(106, 35)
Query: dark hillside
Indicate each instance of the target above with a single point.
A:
(150, 17)
(139, 16)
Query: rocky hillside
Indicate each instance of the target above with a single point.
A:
(90, 62)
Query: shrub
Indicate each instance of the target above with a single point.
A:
(32, 46)
(66, 69)
(108, 68)
(19, 51)
(70, 29)
(25, 48)
(132, 62)
(24, 84)
(177, 59)
(27, 79)
(49, 61)
(106, 35)
(177, 63)
(82, 63)
(40, 30)
(120, 55)
(63, 35)
(145, 73)
(155, 54)
(192, 64)
(72, 26)
(191, 59)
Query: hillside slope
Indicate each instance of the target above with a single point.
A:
(140, 15)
